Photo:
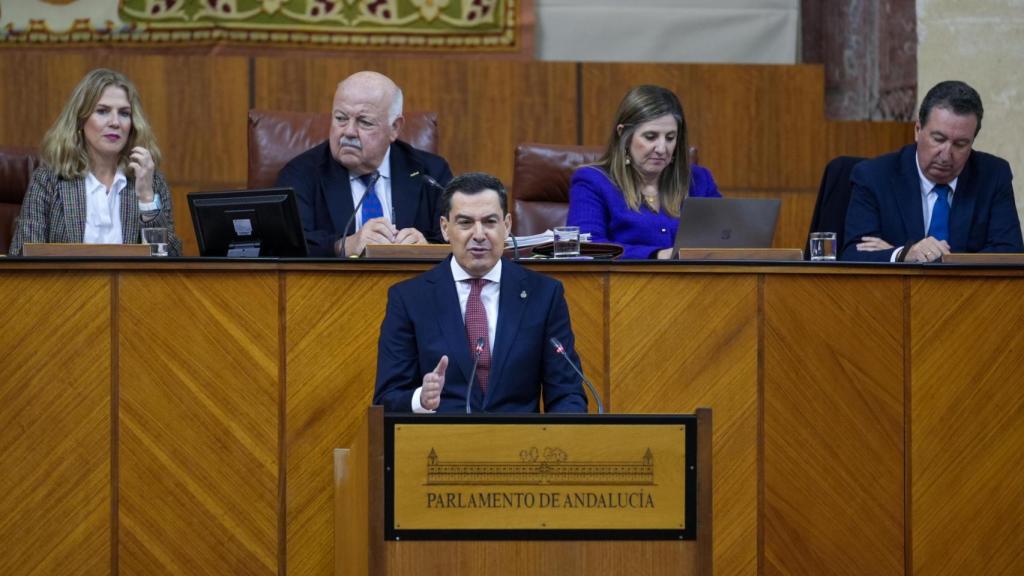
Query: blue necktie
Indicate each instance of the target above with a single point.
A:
(939, 226)
(371, 204)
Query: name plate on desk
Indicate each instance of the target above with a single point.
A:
(984, 258)
(37, 250)
(751, 254)
(408, 251)
(540, 477)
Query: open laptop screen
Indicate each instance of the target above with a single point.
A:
(727, 223)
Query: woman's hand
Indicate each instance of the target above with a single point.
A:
(142, 167)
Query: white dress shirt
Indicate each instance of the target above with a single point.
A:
(928, 198)
(489, 294)
(382, 188)
(103, 210)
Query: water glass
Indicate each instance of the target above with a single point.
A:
(567, 242)
(823, 246)
(157, 240)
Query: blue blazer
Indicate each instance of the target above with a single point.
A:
(596, 205)
(424, 322)
(324, 195)
(886, 203)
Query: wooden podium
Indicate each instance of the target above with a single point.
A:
(525, 494)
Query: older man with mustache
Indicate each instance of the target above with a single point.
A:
(363, 159)
(936, 196)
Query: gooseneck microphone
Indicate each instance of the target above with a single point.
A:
(515, 247)
(560, 350)
(430, 180)
(352, 218)
(478, 349)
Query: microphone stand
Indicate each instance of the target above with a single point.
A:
(560, 350)
(478, 349)
(352, 218)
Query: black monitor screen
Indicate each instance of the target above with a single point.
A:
(248, 223)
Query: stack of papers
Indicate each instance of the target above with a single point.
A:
(538, 239)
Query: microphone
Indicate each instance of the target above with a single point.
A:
(515, 247)
(478, 349)
(352, 218)
(430, 180)
(560, 350)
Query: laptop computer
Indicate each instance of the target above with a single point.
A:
(727, 223)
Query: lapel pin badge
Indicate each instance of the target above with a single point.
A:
(523, 294)
(414, 174)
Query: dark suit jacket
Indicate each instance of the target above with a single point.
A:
(424, 322)
(324, 195)
(886, 202)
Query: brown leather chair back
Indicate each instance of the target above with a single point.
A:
(277, 136)
(16, 166)
(540, 183)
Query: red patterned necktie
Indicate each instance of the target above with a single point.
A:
(476, 327)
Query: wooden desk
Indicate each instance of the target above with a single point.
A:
(179, 416)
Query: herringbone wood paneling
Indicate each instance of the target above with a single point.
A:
(333, 321)
(833, 425)
(967, 426)
(682, 342)
(542, 558)
(199, 365)
(585, 295)
(55, 424)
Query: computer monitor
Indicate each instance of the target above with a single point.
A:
(248, 223)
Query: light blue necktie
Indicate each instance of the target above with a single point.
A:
(371, 204)
(939, 226)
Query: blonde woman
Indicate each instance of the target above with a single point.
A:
(632, 195)
(98, 182)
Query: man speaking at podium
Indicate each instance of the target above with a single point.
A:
(476, 316)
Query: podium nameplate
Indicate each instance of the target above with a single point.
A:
(540, 477)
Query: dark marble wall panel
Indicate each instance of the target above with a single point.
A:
(869, 49)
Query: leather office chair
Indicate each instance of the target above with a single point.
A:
(16, 166)
(540, 183)
(833, 200)
(277, 136)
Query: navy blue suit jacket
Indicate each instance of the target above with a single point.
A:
(886, 203)
(424, 322)
(324, 195)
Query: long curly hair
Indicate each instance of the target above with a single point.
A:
(64, 148)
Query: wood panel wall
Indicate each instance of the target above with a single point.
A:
(761, 130)
(867, 420)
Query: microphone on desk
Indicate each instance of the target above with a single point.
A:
(352, 218)
(478, 349)
(430, 180)
(560, 350)
(515, 247)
